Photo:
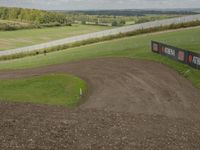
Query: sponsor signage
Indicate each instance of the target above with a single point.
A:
(181, 55)
(155, 47)
(169, 51)
(194, 60)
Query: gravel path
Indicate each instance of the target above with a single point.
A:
(131, 104)
(102, 34)
(32, 127)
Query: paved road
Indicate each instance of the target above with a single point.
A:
(102, 34)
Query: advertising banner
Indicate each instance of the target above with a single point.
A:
(194, 60)
(181, 55)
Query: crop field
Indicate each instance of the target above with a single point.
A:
(27, 37)
(132, 98)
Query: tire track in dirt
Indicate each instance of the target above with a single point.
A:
(126, 85)
(131, 104)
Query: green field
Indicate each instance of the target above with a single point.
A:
(49, 89)
(27, 37)
(136, 47)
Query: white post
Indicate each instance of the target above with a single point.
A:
(81, 92)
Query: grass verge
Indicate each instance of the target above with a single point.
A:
(58, 89)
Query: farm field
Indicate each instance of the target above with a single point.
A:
(27, 37)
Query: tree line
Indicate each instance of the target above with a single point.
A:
(40, 17)
(34, 18)
(136, 12)
(112, 20)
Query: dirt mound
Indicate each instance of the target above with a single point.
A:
(131, 104)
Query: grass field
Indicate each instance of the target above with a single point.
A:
(20, 38)
(137, 47)
(134, 47)
(49, 89)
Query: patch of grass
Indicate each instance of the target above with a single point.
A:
(132, 47)
(58, 89)
(21, 38)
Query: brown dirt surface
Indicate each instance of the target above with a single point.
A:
(131, 104)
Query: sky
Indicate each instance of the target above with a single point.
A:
(100, 4)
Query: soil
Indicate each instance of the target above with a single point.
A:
(131, 104)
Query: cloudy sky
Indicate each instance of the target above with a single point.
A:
(100, 4)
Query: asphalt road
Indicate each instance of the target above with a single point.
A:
(102, 34)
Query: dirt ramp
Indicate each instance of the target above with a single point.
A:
(126, 85)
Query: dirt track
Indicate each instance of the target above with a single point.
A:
(130, 104)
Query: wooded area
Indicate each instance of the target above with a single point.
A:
(33, 16)
(20, 18)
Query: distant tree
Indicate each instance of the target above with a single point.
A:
(122, 22)
(114, 23)
(83, 22)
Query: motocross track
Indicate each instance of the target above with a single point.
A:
(131, 104)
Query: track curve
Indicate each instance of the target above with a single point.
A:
(126, 85)
(131, 104)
